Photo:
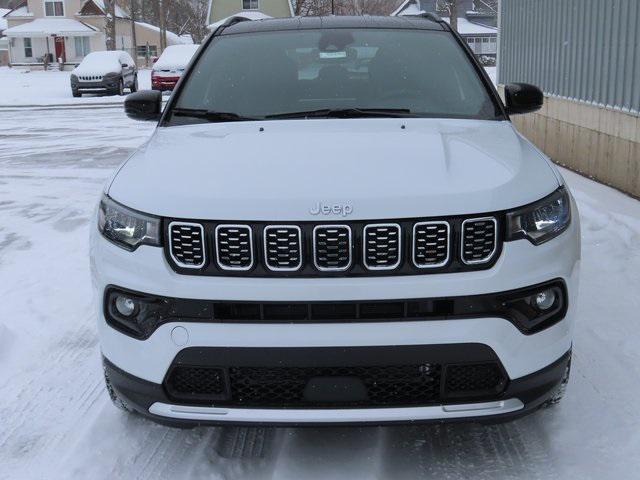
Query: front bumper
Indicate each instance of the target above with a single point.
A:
(521, 397)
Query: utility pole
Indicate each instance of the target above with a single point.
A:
(134, 41)
(163, 27)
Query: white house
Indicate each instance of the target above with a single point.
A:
(64, 31)
(475, 26)
(4, 42)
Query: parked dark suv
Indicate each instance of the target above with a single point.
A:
(105, 72)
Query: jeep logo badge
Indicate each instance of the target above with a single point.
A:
(335, 209)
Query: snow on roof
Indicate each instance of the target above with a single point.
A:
(248, 15)
(3, 21)
(401, 9)
(465, 27)
(100, 4)
(44, 27)
(175, 57)
(22, 11)
(172, 37)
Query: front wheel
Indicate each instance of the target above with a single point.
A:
(134, 85)
(120, 90)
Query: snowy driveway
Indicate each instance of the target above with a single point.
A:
(56, 420)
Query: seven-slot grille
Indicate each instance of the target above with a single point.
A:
(186, 244)
(354, 248)
(479, 240)
(234, 247)
(430, 244)
(283, 247)
(381, 246)
(332, 247)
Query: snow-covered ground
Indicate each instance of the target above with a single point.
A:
(56, 420)
(21, 86)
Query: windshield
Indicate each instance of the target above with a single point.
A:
(317, 72)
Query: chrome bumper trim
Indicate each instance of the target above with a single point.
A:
(344, 415)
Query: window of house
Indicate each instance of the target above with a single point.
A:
(250, 4)
(83, 47)
(147, 50)
(28, 50)
(54, 8)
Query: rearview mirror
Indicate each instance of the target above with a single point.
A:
(144, 105)
(522, 98)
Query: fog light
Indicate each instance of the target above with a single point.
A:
(125, 306)
(545, 299)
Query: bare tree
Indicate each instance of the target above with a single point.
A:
(110, 24)
(489, 6)
(450, 9)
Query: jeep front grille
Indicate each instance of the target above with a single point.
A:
(332, 247)
(358, 248)
(283, 247)
(186, 244)
(479, 240)
(382, 246)
(234, 247)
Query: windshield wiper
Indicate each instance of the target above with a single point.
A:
(346, 113)
(212, 115)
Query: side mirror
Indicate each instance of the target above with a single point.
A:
(144, 105)
(522, 98)
(125, 65)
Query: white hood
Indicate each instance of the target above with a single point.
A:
(233, 171)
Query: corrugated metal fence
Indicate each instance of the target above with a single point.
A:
(586, 50)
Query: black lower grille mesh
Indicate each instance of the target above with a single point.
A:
(308, 387)
(483, 377)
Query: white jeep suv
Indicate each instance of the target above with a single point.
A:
(335, 222)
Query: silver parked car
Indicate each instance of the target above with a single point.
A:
(108, 72)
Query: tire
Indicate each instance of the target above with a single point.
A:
(560, 391)
(119, 402)
(120, 90)
(134, 85)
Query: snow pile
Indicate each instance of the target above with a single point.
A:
(175, 57)
(100, 63)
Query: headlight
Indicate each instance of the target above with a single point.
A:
(125, 227)
(541, 221)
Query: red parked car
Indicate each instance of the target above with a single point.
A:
(169, 68)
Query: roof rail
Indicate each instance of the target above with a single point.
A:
(232, 20)
(434, 17)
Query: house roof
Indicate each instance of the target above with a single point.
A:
(102, 8)
(172, 37)
(44, 27)
(465, 27)
(3, 21)
(250, 15)
(290, 3)
(21, 11)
